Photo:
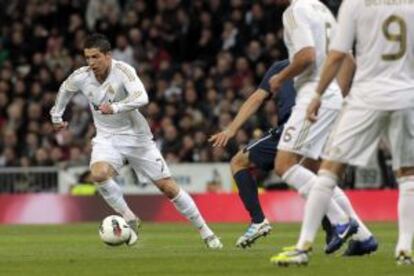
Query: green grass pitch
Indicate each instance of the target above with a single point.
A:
(176, 249)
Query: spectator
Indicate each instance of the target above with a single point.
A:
(123, 51)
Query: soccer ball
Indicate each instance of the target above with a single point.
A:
(114, 230)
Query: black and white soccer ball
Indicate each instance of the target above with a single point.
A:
(114, 230)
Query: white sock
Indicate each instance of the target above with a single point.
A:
(342, 200)
(187, 207)
(302, 180)
(405, 214)
(316, 206)
(112, 194)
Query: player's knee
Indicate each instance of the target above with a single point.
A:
(99, 176)
(283, 162)
(311, 164)
(406, 172)
(100, 173)
(239, 162)
(168, 187)
(280, 168)
(333, 167)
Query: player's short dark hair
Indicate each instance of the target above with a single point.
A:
(98, 41)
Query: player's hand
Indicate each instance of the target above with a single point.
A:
(60, 126)
(221, 139)
(106, 109)
(275, 84)
(313, 109)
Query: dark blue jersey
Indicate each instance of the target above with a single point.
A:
(286, 96)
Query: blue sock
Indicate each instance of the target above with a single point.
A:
(249, 195)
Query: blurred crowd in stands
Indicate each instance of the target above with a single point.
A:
(198, 59)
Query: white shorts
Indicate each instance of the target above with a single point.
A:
(302, 137)
(357, 133)
(143, 156)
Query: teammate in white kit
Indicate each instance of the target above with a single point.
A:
(115, 93)
(308, 26)
(380, 103)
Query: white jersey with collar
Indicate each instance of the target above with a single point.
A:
(309, 23)
(384, 34)
(122, 89)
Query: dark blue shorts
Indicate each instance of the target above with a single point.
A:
(262, 152)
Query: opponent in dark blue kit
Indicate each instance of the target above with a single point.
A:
(262, 154)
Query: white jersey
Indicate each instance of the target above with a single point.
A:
(122, 89)
(309, 23)
(384, 35)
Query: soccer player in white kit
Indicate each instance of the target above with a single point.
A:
(308, 26)
(380, 103)
(115, 93)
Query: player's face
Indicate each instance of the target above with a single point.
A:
(98, 61)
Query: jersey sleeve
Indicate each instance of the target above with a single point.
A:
(66, 90)
(137, 95)
(346, 30)
(297, 25)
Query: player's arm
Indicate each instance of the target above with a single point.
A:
(66, 91)
(249, 107)
(341, 46)
(137, 95)
(330, 70)
(346, 74)
(301, 60)
(297, 26)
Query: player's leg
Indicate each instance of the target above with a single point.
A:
(354, 140)
(105, 162)
(246, 185)
(363, 242)
(316, 206)
(329, 176)
(187, 207)
(102, 173)
(147, 159)
(302, 180)
(261, 153)
(328, 228)
(301, 138)
(403, 250)
(402, 140)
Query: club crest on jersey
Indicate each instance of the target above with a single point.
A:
(110, 90)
